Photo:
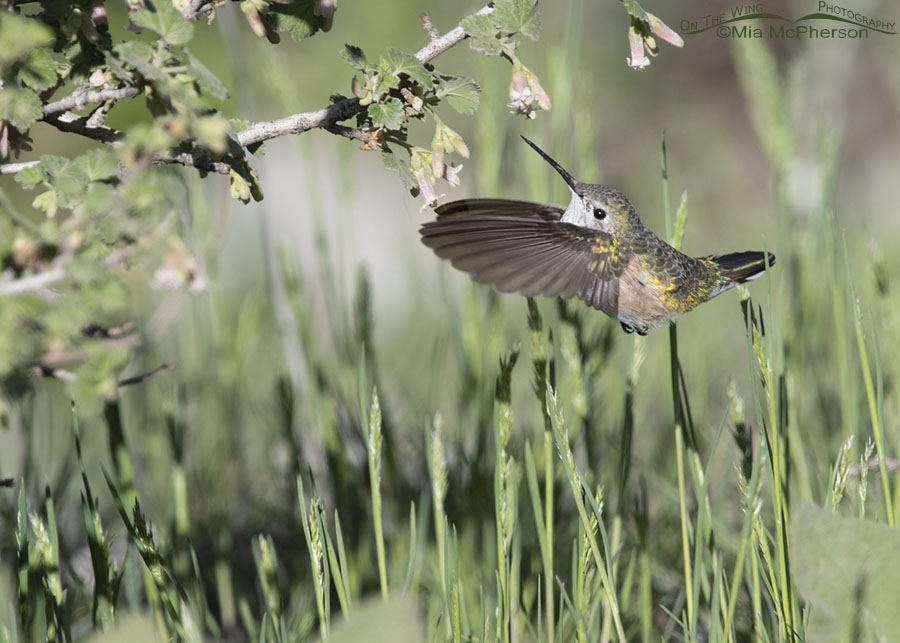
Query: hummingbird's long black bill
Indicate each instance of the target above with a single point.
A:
(568, 178)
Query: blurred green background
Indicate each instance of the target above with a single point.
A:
(792, 146)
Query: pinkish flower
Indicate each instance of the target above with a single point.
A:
(641, 41)
(526, 95)
(638, 59)
(451, 174)
(663, 30)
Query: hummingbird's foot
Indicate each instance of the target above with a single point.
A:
(633, 329)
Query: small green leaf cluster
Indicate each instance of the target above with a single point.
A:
(492, 33)
(399, 88)
(28, 67)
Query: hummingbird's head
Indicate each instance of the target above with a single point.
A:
(593, 206)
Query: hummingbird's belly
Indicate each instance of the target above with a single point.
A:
(644, 298)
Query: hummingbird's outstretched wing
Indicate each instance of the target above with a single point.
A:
(529, 255)
(499, 207)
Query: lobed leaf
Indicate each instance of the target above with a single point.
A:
(96, 165)
(31, 176)
(517, 16)
(391, 162)
(47, 202)
(212, 132)
(206, 79)
(399, 62)
(354, 57)
(41, 70)
(162, 17)
(21, 107)
(138, 54)
(296, 17)
(636, 10)
(460, 92)
(19, 35)
(482, 34)
(388, 113)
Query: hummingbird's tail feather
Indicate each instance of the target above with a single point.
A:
(743, 266)
(498, 207)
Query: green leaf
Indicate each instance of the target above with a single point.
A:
(117, 68)
(46, 201)
(240, 189)
(296, 18)
(245, 183)
(399, 62)
(482, 34)
(162, 17)
(31, 176)
(478, 26)
(517, 16)
(387, 114)
(207, 80)
(636, 10)
(354, 57)
(21, 107)
(460, 92)
(55, 165)
(386, 82)
(19, 35)
(138, 55)
(66, 177)
(41, 70)
(849, 571)
(212, 132)
(391, 162)
(96, 165)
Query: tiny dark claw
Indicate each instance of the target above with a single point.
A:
(628, 329)
(641, 331)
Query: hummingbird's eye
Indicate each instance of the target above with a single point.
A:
(599, 213)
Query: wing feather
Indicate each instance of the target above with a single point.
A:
(531, 255)
(500, 208)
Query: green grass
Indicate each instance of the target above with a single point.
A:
(568, 545)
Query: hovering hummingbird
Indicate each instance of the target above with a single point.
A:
(596, 249)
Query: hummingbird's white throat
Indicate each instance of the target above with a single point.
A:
(578, 213)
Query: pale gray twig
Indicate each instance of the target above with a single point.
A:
(193, 8)
(326, 118)
(80, 98)
(189, 159)
(33, 283)
(38, 282)
(13, 168)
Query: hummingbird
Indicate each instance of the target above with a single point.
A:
(596, 249)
